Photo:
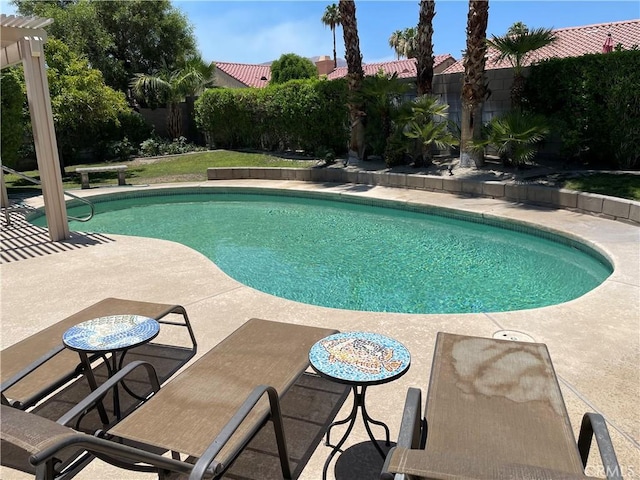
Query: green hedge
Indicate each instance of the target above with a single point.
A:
(309, 115)
(593, 103)
(13, 124)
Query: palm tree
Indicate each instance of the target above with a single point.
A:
(404, 42)
(424, 126)
(474, 86)
(171, 87)
(425, 47)
(516, 46)
(395, 42)
(355, 74)
(331, 19)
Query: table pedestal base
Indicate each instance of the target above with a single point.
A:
(358, 402)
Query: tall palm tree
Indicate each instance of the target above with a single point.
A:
(404, 42)
(396, 42)
(516, 47)
(425, 47)
(474, 88)
(331, 19)
(171, 87)
(355, 74)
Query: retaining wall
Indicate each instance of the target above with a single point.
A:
(590, 203)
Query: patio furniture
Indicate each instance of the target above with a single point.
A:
(358, 359)
(40, 364)
(113, 335)
(205, 416)
(494, 410)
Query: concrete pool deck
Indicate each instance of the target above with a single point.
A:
(594, 341)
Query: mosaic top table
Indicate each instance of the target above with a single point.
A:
(359, 359)
(112, 334)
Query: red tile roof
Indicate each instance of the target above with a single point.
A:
(250, 75)
(571, 42)
(404, 68)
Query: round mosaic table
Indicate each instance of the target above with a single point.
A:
(358, 359)
(110, 334)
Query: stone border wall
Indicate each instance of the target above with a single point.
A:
(601, 205)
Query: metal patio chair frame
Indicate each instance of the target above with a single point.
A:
(494, 410)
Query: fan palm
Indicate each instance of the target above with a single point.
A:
(424, 49)
(171, 87)
(424, 125)
(331, 19)
(404, 42)
(514, 136)
(474, 87)
(517, 47)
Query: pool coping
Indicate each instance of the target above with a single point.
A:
(609, 207)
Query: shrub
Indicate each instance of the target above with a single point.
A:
(13, 126)
(594, 104)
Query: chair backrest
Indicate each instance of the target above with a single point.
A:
(494, 410)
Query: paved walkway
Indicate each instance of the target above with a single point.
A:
(594, 340)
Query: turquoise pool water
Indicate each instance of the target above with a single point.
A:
(361, 257)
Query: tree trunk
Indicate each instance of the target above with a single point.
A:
(174, 121)
(424, 78)
(335, 55)
(474, 86)
(355, 74)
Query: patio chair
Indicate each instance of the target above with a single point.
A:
(40, 364)
(494, 411)
(205, 416)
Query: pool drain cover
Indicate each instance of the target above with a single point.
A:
(513, 335)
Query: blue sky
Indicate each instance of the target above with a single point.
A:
(261, 31)
(257, 32)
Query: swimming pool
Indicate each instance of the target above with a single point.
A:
(360, 254)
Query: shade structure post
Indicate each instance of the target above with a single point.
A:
(44, 136)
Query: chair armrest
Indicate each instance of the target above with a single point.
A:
(412, 429)
(106, 450)
(594, 424)
(204, 464)
(94, 397)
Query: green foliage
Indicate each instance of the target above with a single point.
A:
(13, 125)
(86, 112)
(292, 67)
(301, 114)
(519, 43)
(121, 37)
(170, 87)
(155, 146)
(380, 96)
(514, 136)
(593, 102)
(404, 42)
(427, 124)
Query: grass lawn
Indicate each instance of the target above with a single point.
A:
(193, 168)
(614, 185)
(183, 168)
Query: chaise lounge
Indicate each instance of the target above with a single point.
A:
(205, 416)
(40, 364)
(494, 410)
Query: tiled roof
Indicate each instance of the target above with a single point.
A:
(571, 42)
(250, 75)
(404, 68)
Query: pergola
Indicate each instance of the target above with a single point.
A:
(23, 42)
